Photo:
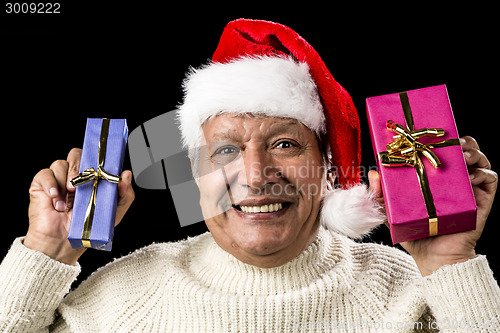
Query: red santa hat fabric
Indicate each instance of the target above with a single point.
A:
(245, 39)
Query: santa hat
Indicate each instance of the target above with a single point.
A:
(266, 68)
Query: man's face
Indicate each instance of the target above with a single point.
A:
(261, 183)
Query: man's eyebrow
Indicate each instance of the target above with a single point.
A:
(231, 135)
(289, 125)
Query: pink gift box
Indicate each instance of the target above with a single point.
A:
(449, 184)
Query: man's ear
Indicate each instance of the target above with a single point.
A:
(330, 179)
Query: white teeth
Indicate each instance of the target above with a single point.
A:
(262, 209)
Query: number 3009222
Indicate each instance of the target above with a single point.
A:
(32, 8)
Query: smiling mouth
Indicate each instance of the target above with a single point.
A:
(269, 208)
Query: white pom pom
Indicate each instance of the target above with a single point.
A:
(352, 212)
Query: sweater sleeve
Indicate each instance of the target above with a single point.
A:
(32, 285)
(464, 297)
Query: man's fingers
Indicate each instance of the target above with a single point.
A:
(375, 186)
(473, 156)
(126, 195)
(480, 172)
(44, 189)
(476, 158)
(60, 171)
(73, 159)
(468, 142)
(486, 178)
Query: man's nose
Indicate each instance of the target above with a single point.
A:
(259, 169)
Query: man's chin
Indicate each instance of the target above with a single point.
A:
(263, 248)
(263, 239)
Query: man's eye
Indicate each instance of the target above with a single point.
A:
(226, 151)
(225, 155)
(285, 144)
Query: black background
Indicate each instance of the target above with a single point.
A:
(127, 60)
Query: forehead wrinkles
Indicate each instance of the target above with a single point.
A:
(243, 129)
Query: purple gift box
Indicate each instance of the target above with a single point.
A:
(424, 178)
(94, 207)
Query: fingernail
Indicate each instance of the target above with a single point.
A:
(467, 154)
(472, 176)
(128, 178)
(60, 205)
(53, 191)
(462, 141)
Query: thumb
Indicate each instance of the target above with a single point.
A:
(376, 188)
(374, 181)
(126, 195)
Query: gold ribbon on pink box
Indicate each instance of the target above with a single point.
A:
(406, 150)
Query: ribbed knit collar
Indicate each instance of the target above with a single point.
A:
(219, 270)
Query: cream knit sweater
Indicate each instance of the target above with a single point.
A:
(195, 286)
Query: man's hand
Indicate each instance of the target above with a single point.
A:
(51, 203)
(433, 252)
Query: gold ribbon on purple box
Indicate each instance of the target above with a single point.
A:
(405, 150)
